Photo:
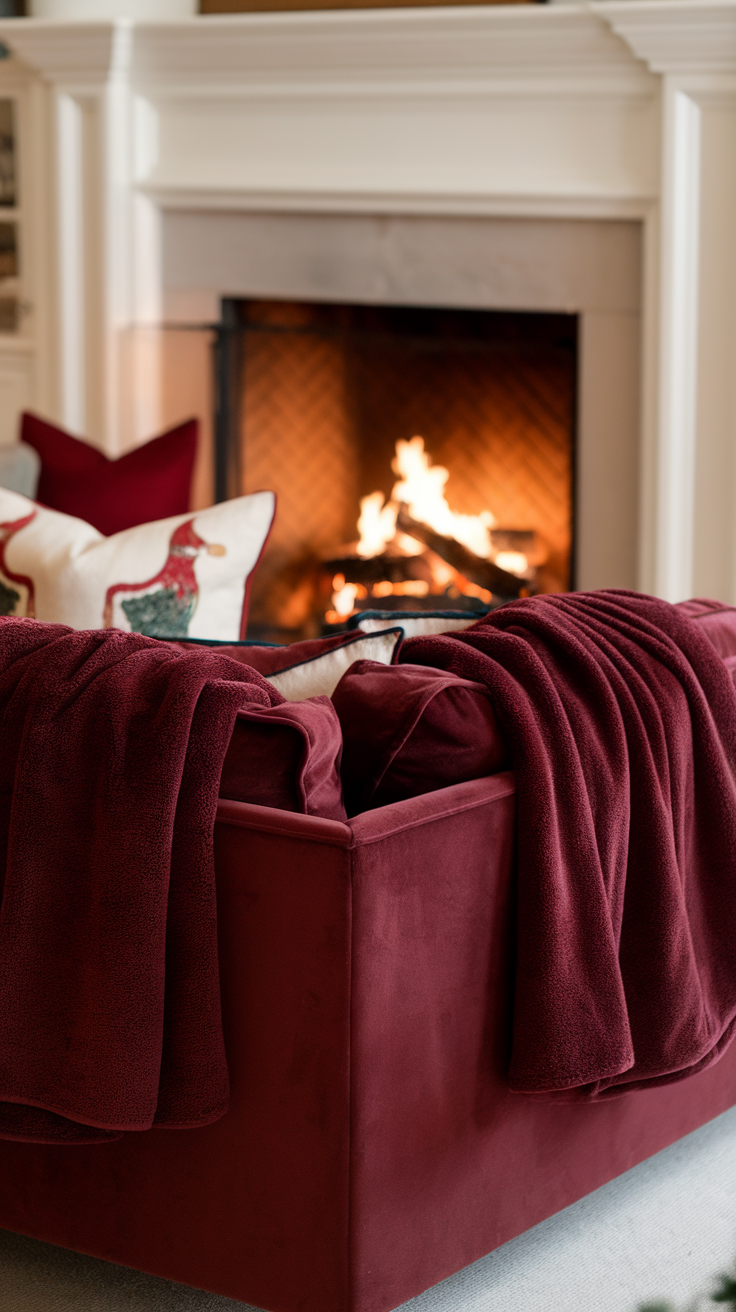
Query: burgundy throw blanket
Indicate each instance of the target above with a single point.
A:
(621, 722)
(112, 749)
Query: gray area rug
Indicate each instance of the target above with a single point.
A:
(662, 1231)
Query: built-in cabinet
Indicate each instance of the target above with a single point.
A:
(17, 337)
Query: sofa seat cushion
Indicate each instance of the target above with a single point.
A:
(411, 729)
(287, 757)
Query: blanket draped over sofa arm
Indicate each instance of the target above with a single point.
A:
(112, 750)
(621, 722)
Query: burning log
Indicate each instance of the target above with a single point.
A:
(524, 540)
(378, 569)
(482, 572)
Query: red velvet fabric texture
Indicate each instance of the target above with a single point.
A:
(287, 756)
(152, 482)
(113, 747)
(621, 721)
(372, 1145)
(716, 621)
(410, 729)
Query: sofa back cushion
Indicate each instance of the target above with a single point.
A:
(410, 729)
(288, 757)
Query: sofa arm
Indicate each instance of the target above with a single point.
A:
(459, 799)
(432, 951)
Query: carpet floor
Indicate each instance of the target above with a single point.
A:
(661, 1232)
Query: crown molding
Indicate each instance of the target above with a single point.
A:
(77, 52)
(395, 46)
(606, 46)
(680, 37)
(550, 47)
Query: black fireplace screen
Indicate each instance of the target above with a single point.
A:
(312, 399)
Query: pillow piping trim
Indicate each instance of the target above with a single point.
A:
(246, 589)
(354, 621)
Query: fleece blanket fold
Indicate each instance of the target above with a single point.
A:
(112, 750)
(621, 722)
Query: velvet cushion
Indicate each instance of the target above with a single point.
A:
(287, 757)
(716, 621)
(151, 482)
(410, 729)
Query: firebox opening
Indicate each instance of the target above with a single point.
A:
(330, 405)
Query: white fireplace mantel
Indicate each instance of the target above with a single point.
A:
(620, 110)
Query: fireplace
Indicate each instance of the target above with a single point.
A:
(319, 401)
(557, 158)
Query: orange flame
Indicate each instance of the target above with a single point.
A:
(421, 488)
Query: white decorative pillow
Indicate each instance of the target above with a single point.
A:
(183, 577)
(420, 625)
(321, 674)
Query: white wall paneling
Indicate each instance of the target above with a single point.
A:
(689, 421)
(16, 387)
(678, 367)
(714, 559)
(542, 115)
(71, 258)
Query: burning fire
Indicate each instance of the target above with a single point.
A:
(515, 562)
(420, 490)
(345, 594)
(377, 525)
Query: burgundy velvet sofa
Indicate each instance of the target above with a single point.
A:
(372, 1146)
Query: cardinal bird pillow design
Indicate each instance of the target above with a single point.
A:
(184, 577)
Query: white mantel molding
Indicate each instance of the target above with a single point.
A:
(610, 109)
(488, 48)
(383, 47)
(680, 37)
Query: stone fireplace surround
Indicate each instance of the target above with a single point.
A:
(566, 157)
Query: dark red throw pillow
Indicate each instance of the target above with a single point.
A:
(152, 482)
(287, 756)
(410, 729)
